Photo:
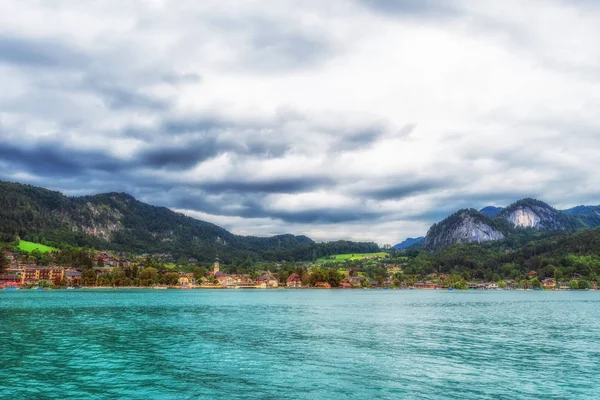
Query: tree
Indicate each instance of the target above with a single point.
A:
(4, 263)
(88, 277)
(535, 283)
(171, 278)
(199, 273)
(148, 276)
(574, 285)
(583, 284)
(333, 277)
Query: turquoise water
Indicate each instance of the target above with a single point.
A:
(299, 344)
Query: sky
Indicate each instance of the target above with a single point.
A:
(355, 119)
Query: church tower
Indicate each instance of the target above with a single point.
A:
(216, 268)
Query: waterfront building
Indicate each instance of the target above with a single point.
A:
(294, 280)
(11, 277)
(185, 279)
(35, 275)
(73, 276)
(549, 283)
(268, 279)
(425, 285)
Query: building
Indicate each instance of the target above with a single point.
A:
(425, 285)
(73, 276)
(10, 277)
(268, 279)
(548, 283)
(323, 285)
(294, 280)
(185, 279)
(35, 275)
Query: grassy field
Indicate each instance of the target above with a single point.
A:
(352, 257)
(30, 246)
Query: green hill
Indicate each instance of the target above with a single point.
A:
(117, 221)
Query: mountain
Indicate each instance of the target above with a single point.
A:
(582, 210)
(491, 211)
(464, 226)
(408, 242)
(586, 216)
(535, 214)
(471, 226)
(117, 221)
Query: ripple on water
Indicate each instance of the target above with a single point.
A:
(304, 344)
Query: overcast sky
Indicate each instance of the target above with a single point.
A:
(363, 120)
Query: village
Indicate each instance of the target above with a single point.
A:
(108, 270)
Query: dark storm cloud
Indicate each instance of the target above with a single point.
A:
(356, 140)
(277, 185)
(40, 53)
(410, 7)
(119, 97)
(252, 206)
(405, 189)
(183, 156)
(48, 159)
(324, 216)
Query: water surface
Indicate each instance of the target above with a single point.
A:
(299, 344)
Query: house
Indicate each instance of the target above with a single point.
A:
(269, 280)
(548, 283)
(323, 285)
(73, 276)
(345, 285)
(185, 279)
(355, 280)
(425, 285)
(374, 282)
(226, 280)
(563, 286)
(10, 279)
(294, 280)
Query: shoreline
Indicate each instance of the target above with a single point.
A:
(93, 288)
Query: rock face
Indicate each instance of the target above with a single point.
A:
(534, 214)
(464, 226)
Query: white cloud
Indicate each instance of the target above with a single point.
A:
(259, 113)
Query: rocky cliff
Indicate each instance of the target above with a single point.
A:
(464, 226)
(535, 214)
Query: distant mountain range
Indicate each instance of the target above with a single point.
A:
(117, 221)
(495, 223)
(409, 242)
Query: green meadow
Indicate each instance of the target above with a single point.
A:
(352, 257)
(30, 246)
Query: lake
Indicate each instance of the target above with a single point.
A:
(299, 344)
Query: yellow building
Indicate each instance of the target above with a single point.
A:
(33, 275)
